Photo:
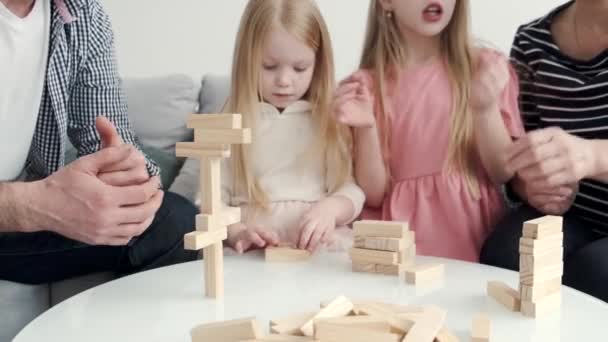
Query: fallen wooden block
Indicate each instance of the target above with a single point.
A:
(337, 333)
(481, 329)
(504, 295)
(533, 293)
(383, 229)
(296, 320)
(223, 121)
(542, 306)
(286, 254)
(195, 241)
(543, 227)
(374, 257)
(426, 328)
(373, 323)
(339, 307)
(228, 331)
(424, 274)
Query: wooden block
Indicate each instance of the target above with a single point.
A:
(393, 270)
(197, 151)
(481, 330)
(219, 136)
(294, 320)
(196, 241)
(427, 326)
(337, 333)
(205, 222)
(374, 323)
(540, 290)
(228, 331)
(384, 229)
(380, 244)
(545, 245)
(364, 267)
(211, 191)
(375, 257)
(542, 227)
(225, 121)
(408, 257)
(339, 307)
(445, 335)
(533, 263)
(545, 274)
(504, 295)
(424, 274)
(214, 270)
(543, 306)
(282, 338)
(286, 254)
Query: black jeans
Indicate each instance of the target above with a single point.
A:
(585, 251)
(43, 257)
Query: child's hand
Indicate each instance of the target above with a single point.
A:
(243, 239)
(490, 77)
(353, 104)
(316, 227)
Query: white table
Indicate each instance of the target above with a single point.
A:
(164, 304)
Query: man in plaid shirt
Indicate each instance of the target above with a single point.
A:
(103, 212)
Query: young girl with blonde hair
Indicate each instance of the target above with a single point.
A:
(294, 182)
(432, 117)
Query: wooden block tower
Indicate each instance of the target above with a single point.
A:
(213, 135)
(383, 247)
(541, 265)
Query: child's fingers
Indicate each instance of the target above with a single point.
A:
(306, 233)
(315, 239)
(256, 240)
(239, 246)
(270, 237)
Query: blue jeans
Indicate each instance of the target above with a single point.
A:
(585, 250)
(43, 257)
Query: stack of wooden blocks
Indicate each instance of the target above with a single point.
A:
(541, 266)
(383, 247)
(213, 135)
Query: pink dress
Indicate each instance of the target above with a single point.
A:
(448, 220)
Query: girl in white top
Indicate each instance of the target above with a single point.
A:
(294, 181)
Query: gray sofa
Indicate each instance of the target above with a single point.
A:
(158, 108)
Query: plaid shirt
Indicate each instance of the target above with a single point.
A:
(82, 83)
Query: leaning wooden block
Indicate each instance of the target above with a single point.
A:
(380, 244)
(480, 331)
(339, 307)
(228, 331)
(543, 306)
(195, 241)
(205, 121)
(384, 229)
(424, 274)
(374, 257)
(286, 254)
(545, 245)
(198, 151)
(222, 136)
(337, 333)
(504, 295)
(543, 227)
(533, 293)
(427, 326)
(545, 274)
(532, 263)
(373, 323)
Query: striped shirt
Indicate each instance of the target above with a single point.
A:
(557, 90)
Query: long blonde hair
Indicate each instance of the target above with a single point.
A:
(303, 20)
(384, 53)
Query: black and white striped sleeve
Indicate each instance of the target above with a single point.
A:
(520, 59)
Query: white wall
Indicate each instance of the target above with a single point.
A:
(156, 37)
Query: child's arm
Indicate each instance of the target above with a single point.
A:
(491, 135)
(354, 106)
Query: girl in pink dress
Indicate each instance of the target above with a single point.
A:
(432, 117)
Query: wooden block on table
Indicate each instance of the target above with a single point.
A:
(481, 329)
(380, 244)
(408, 257)
(296, 320)
(225, 121)
(195, 241)
(543, 227)
(533, 263)
(504, 295)
(211, 190)
(228, 331)
(384, 229)
(533, 293)
(218, 136)
(198, 151)
(545, 245)
(373, 323)
(286, 254)
(337, 333)
(424, 274)
(545, 274)
(339, 307)
(214, 270)
(281, 338)
(426, 328)
(393, 270)
(375, 257)
(542, 306)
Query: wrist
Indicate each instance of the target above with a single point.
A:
(17, 201)
(598, 163)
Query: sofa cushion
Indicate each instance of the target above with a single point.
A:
(20, 305)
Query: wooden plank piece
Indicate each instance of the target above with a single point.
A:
(375, 257)
(195, 241)
(481, 329)
(542, 227)
(211, 191)
(337, 333)
(540, 290)
(339, 307)
(542, 306)
(223, 136)
(197, 151)
(424, 274)
(228, 331)
(504, 295)
(374, 323)
(224, 121)
(425, 329)
(286, 254)
(386, 229)
(214, 270)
